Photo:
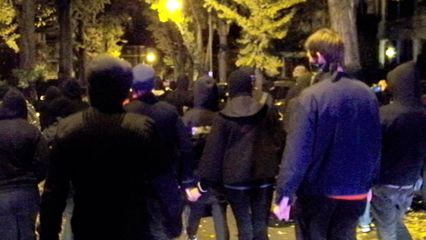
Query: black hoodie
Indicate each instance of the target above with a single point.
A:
(403, 128)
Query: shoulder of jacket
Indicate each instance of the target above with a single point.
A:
(69, 124)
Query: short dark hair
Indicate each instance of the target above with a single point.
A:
(327, 42)
(109, 81)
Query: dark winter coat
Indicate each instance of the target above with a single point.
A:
(108, 158)
(175, 136)
(404, 129)
(23, 150)
(244, 146)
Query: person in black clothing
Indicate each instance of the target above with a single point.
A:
(242, 154)
(107, 155)
(403, 151)
(165, 202)
(181, 97)
(23, 164)
(200, 119)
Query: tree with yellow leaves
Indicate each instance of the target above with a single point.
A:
(261, 21)
(7, 26)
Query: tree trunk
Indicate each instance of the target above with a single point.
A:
(209, 51)
(65, 39)
(223, 31)
(81, 53)
(343, 20)
(260, 78)
(26, 40)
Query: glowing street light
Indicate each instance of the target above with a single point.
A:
(390, 52)
(173, 5)
(151, 57)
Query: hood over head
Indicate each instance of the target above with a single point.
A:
(182, 82)
(404, 83)
(242, 106)
(52, 92)
(206, 93)
(13, 105)
(240, 83)
(72, 89)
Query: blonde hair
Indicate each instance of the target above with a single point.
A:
(327, 42)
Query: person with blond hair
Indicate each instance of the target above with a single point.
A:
(332, 147)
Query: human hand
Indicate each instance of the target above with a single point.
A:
(369, 195)
(282, 210)
(192, 194)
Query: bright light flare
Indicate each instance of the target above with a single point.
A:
(390, 52)
(151, 57)
(173, 5)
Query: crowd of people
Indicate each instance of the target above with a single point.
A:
(127, 162)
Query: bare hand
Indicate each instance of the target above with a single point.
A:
(282, 211)
(192, 194)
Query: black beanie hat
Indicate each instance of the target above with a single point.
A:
(240, 83)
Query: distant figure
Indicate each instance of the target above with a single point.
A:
(46, 118)
(107, 155)
(23, 164)
(181, 97)
(332, 147)
(299, 71)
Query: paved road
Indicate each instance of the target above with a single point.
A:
(416, 222)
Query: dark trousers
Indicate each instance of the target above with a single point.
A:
(320, 217)
(251, 209)
(218, 212)
(18, 211)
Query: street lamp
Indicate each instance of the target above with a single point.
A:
(173, 6)
(151, 56)
(390, 52)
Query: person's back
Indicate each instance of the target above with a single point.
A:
(403, 152)
(332, 147)
(23, 164)
(107, 155)
(181, 97)
(404, 129)
(345, 113)
(166, 200)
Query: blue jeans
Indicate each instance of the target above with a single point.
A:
(320, 217)
(251, 209)
(388, 207)
(18, 211)
(365, 219)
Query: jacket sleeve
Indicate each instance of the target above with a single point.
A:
(299, 147)
(54, 196)
(210, 166)
(40, 160)
(186, 155)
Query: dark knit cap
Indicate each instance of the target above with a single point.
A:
(143, 77)
(240, 83)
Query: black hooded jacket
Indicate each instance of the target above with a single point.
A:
(23, 150)
(403, 124)
(244, 146)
